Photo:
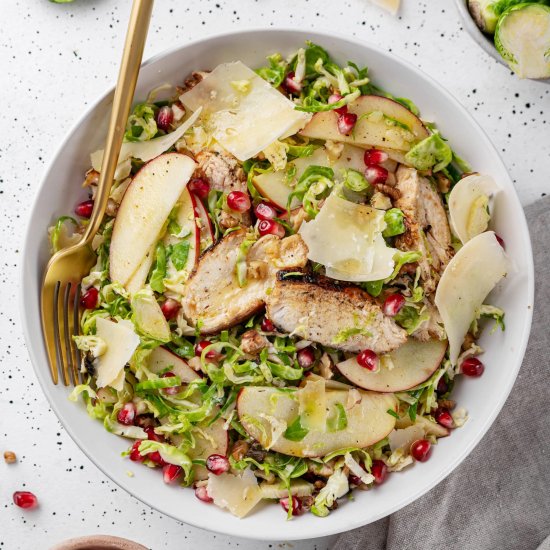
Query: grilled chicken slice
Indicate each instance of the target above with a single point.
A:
(224, 173)
(338, 316)
(213, 299)
(427, 225)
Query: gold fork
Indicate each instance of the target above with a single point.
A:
(61, 318)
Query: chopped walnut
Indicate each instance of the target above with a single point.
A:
(240, 448)
(195, 364)
(297, 217)
(469, 341)
(253, 342)
(334, 149)
(392, 192)
(112, 208)
(443, 182)
(227, 221)
(92, 177)
(323, 470)
(447, 404)
(190, 82)
(319, 484)
(9, 457)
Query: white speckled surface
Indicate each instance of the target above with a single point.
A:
(54, 60)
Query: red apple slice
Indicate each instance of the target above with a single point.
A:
(368, 421)
(381, 122)
(187, 221)
(413, 363)
(162, 359)
(205, 225)
(143, 211)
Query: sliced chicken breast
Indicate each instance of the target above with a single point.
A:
(338, 316)
(213, 299)
(428, 229)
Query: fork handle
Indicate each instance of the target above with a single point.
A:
(122, 101)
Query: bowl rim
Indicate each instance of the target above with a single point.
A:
(42, 374)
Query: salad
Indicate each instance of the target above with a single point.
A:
(291, 273)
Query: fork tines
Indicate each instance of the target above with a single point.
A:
(67, 354)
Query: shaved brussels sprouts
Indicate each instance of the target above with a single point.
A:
(522, 37)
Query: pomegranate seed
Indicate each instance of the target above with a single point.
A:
(127, 414)
(472, 367)
(290, 85)
(420, 450)
(393, 304)
(156, 458)
(165, 117)
(443, 417)
(238, 201)
(306, 357)
(217, 464)
(333, 99)
(372, 157)
(171, 472)
(442, 386)
(368, 360)
(500, 241)
(355, 480)
(135, 455)
(346, 122)
(199, 348)
(170, 309)
(267, 325)
(84, 209)
(90, 298)
(202, 494)
(376, 174)
(151, 435)
(265, 211)
(296, 505)
(270, 227)
(25, 499)
(173, 389)
(379, 470)
(199, 187)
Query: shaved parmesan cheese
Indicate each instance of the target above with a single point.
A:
(121, 341)
(468, 206)
(347, 239)
(243, 119)
(473, 272)
(313, 405)
(238, 494)
(356, 469)
(144, 150)
(389, 5)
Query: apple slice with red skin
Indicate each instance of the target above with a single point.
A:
(144, 210)
(374, 127)
(413, 363)
(162, 359)
(368, 420)
(205, 224)
(187, 220)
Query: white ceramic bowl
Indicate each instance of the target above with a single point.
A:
(484, 397)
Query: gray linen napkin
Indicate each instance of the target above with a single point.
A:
(499, 497)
